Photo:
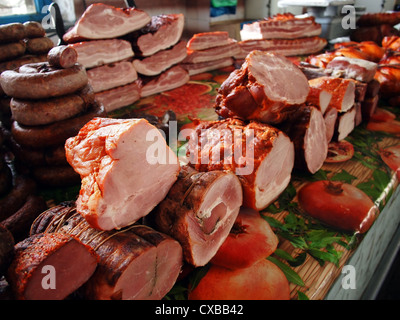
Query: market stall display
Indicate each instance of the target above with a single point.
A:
(177, 218)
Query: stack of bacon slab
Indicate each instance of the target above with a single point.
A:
(284, 34)
(107, 58)
(20, 44)
(209, 51)
(118, 44)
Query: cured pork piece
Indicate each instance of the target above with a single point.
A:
(286, 47)
(100, 52)
(119, 97)
(342, 92)
(196, 68)
(50, 266)
(230, 50)
(161, 61)
(101, 21)
(267, 85)
(281, 26)
(207, 40)
(330, 118)
(126, 168)
(162, 32)
(306, 128)
(345, 124)
(135, 263)
(111, 75)
(261, 155)
(358, 69)
(199, 211)
(170, 79)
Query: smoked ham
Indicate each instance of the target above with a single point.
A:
(267, 85)
(45, 266)
(162, 32)
(261, 155)
(101, 21)
(358, 69)
(199, 211)
(281, 26)
(126, 169)
(342, 92)
(135, 263)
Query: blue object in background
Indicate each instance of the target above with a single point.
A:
(221, 7)
(41, 12)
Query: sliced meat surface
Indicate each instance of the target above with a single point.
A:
(268, 84)
(50, 266)
(135, 263)
(126, 169)
(306, 128)
(281, 26)
(112, 75)
(161, 61)
(196, 68)
(345, 124)
(342, 92)
(229, 50)
(261, 155)
(286, 47)
(170, 79)
(330, 118)
(119, 97)
(207, 40)
(199, 211)
(101, 21)
(100, 52)
(358, 69)
(164, 31)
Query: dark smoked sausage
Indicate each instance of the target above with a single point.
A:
(41, 81)
(39, 45)
(62, 57)
(53, 134)
(12, 32)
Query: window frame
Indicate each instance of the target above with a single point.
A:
(38, 16)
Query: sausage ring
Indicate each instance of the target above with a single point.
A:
(40, 80)
(41, 112)
(55, 133)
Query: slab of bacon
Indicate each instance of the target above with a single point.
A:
(196, 68)
(261, 155)
(281, 26)
(119, 97)
(207, 40)
(161, 60)
(199, 211)
(162, 32)
(122, 180)
(96, 53)
(101, 21)
(268, 84)
(196, 56)
(358, 69)
(286, 47)
(170, 79)
(111, 75)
